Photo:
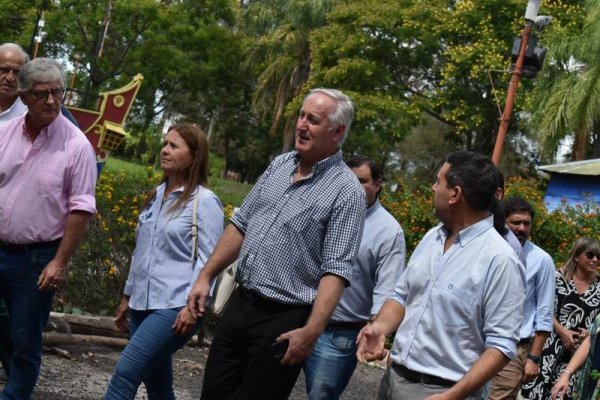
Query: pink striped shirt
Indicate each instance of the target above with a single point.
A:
(43, 181)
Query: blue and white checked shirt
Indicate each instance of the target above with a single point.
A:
(378, 265)
(460, 302)
(162, 271)
(539, 298)
(297, 232)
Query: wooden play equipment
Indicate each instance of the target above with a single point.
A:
(104, 127)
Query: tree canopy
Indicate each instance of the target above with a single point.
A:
(418, 71)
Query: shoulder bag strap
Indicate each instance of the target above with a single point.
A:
(195, 227)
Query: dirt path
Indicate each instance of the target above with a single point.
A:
(86, 375)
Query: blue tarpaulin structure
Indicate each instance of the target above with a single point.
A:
(574, 182)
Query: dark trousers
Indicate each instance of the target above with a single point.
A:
(29, 309)
(6, 346)
(243, 363)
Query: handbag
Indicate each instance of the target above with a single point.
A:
(224, 288)
(225, 284)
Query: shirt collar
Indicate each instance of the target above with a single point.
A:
(15, 104)
(322, 165)
(373, 208)
(469, 233)
(160, 189)
(46, 130)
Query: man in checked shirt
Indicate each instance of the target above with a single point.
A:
(295, 237)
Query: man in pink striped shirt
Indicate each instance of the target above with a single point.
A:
(47, 184)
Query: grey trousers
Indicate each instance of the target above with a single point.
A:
(395, 387)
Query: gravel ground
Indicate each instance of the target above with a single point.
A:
(85, 375)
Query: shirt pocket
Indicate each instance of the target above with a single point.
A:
(453, 305)
(49, 182)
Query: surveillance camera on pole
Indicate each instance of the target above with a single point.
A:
(541, 21)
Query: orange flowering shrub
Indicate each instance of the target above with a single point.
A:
(555, 232)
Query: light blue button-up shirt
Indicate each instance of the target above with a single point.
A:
(539, 298)
(460, 302)
(162, 271)
(379, 263)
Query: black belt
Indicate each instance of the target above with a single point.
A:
(259, 300)
(525, 341)
(341, 326)
(13, 248)
(417, 377)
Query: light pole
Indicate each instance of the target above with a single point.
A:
(530, 14)
(38, 32)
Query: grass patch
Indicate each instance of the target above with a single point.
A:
(115, 165)
(229, 192)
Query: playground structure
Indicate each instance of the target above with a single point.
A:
(104, 127)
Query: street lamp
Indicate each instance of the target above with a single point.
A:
(532, 58)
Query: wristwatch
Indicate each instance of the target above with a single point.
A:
(535, 359)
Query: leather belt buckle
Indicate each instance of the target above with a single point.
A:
(340, 326)
(418, 377)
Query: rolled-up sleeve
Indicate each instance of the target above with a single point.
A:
(389, 267)
(504, 297)
(343, 235)
(545, 296)
(82, 187)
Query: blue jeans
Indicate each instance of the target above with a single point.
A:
(148, 356)
(331, 364)
(29, 309)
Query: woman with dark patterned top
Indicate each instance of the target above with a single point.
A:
(577, 304)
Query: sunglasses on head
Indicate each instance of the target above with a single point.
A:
(590, 255)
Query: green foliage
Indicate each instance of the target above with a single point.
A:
(566, 101)
(412, 206)
(17, 21)
(280, 55)
(421, 60)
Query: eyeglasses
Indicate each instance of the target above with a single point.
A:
(590, 255)
(42, 95)
(6, 70)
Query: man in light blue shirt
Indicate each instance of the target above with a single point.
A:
(458, 306)
(538, 310)
(379, 264)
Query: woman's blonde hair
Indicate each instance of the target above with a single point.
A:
(581, 245)
(197, 173)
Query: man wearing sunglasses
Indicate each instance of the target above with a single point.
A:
(538, 309)
(47, 187)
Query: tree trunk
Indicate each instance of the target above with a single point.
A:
(288, 136)
(54, 338)
(214, 119)
(87, 325)
(596, 138)
(579, 144)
